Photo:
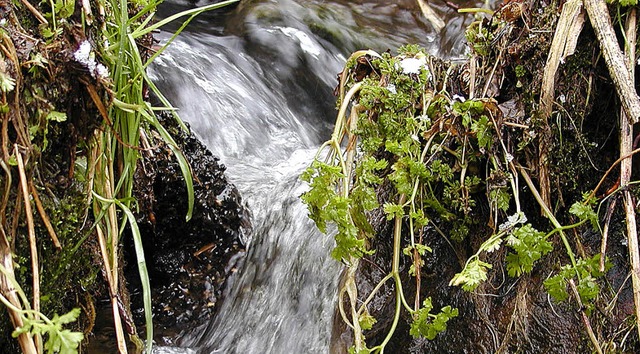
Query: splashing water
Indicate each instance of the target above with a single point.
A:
(256, 85)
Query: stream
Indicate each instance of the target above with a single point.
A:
(255, 83)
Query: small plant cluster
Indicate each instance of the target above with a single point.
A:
(399, 128)
(427, 146)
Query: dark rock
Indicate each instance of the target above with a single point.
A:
(188, 261)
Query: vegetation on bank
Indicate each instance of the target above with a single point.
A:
(75, 117)
(473, 154)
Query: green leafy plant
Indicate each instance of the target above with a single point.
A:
(59, 340)
(129, 114)
(427, 325)
(396, 133)
(115, 57)
(585, 274)
(529, 245)
(421, 145)
(35, 323)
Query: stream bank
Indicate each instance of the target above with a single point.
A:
(57, 256)
(498, 169)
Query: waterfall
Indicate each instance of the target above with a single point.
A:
(255, 83)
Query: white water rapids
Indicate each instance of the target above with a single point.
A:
(255, 85)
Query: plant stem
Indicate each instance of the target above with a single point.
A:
(616, 63)
(584, 317)
(395, 267)
(626, 145)
(550, 216)
(35, 267)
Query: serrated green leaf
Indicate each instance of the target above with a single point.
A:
(472, 275)
(427, 325)
(482, 128)
(529, 245)
(585, 212)
(68, 317)
(57, 116)
(366, 321)
(588, 289)
(393, 210)
(556, 286)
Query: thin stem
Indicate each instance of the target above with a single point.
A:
(397, 236)
(374, 292)
(550, 216)
(35, 267)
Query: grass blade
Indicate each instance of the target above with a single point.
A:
(170, 19)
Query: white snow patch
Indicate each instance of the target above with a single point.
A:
(392, 88)
(86, 57)
(412, 65)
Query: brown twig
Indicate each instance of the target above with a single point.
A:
(35, 12)
(16, 118)
(606, 174)
(103, 112)
(585, 319)
(44, 216)
(17, 211)
(32, 236)
(616, 63)
(626, 144)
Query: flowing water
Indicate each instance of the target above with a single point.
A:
(255, 83)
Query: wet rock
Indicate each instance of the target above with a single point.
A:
(188, 261)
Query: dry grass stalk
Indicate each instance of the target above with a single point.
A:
(113, 292)
(563, 44)
(626, 145)
(585, 318)
(44, 216)
(432, 16)
(35, 267)
(109, 259)
(7, 288)
(35, 12)
(614, 58)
